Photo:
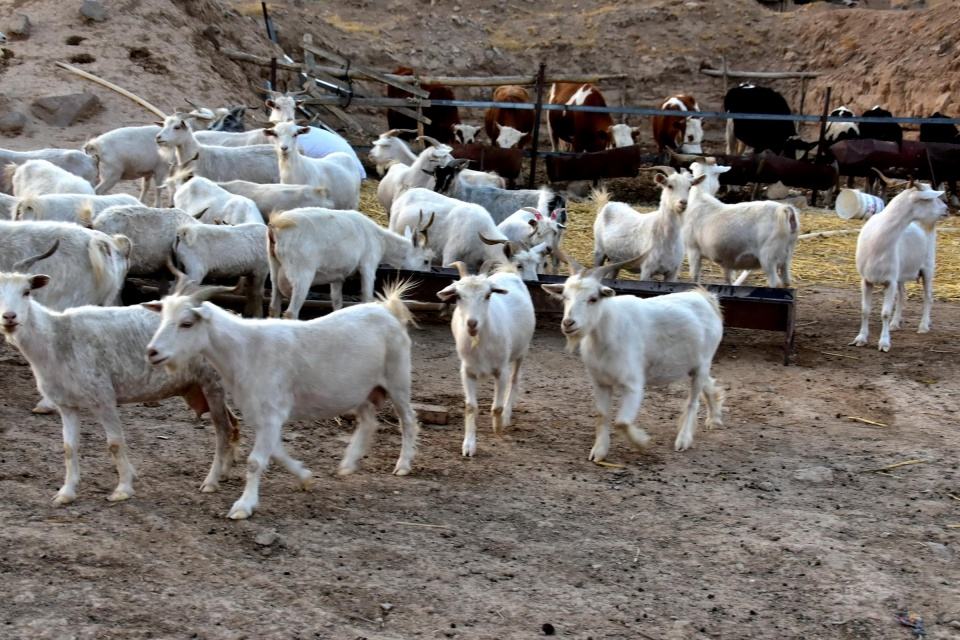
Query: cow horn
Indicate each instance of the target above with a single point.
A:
(26, 263)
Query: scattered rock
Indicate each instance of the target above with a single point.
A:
(386, 606)
(548, 629)
(63, 111)
(815, 475)
(93, 10)
(266, 538)
(19, 27)
(12, 123)
(73, 41)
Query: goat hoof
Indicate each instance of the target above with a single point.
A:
(119, 495)
(209, 487)
(402, 470)
(307, 482)
(883, 346)
(64, 497)
(346, 469)
(238, 514)
(42, 409)
(924, 329)
(469, 449)
(859, 341)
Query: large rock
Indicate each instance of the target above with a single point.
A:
(12, 123)
(63, 111)
(19, 26)
(93, 10)
(814, 475)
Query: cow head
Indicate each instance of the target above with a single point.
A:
(508, 137)
(465, 133)
(624, 135)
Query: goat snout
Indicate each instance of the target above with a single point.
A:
(472, 326)
(9, 320)
(284, 148)
(568, 325)
(153, 356)
(681, 205)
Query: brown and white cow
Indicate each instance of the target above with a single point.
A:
(684, 133)
(509, 128)
(442, 119)
(579, 130)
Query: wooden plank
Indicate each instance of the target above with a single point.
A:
(363, 71)
(760, 75)
(369, 101)
(431, 413)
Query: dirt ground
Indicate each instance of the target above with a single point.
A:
(725, 540)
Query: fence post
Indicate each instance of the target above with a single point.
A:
(541, 74)
(823, 133)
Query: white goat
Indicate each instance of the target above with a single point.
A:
(492, 325)
(256, 163)
(628, 343)
(620, 232)
(325, 246)
(89, 266)
(76, 162)
(232, 138)
(419, 173)
(388, 149)
(152, 232)
(746, 235)
(529, 226)
(66, 207)
(358, 357)
(41, 177)
(271, 198)
(210, 203)
(129, 153)
(711, 170)
(336, 171)
(226, 251)
(896, 245)
(90, 359)
(8, 206)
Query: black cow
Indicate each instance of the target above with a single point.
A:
(779, 136)
(889, 131)
(945, 132)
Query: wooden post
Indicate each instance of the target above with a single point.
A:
(823, 133)
(803, 95)
(541, 74)
(273, 74)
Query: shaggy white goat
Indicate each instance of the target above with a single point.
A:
(90, 359)
(628, 343)
(620, 232)
(152, 232)
(210, 203)
(271, 198)
(76, 162)
(492, 325)
(336, 171)
(896, 245)
(41, 177)
(66, 207)
(279, 370)
(226, 251)
(129, 153)
(324, 246)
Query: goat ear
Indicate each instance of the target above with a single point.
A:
(39, 282)
(270, 104)
(303, 130)
(270, 133)
(498, 290)
(927, 194)
(156, 307)
(721, 169)
(660, 179)
(533, 222)
(159, 123)
(696, 180)
(448, 293)
(553, 290)
(607, 292)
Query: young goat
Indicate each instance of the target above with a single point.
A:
(746, 235)
(492, 325)
(226, 251)
(628, 343)
(621, 232)
(280, 370)
(324, 246)
(89, 359)
(335, 171)
(896, 245)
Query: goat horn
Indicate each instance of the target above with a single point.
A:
(610, 269)
(887, 181)
(682, 157)
(191, 103)
(433, 141)
(205, 293)
(200, 213)
(433, 217)
(575, 266)
(182, 280)
(664, 169)
(26, 263)
(460, 267)
(487, 240)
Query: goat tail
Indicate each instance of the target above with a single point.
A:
(6, 176)
(600, 198)
(789, 219)
(92, 149)
(392, 299)
(85, 215)
(712, 299)
(98, 249)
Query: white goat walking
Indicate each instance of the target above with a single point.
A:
(620, 232)
(358, 357)
(492, 325)
(324, 246)
(628, 343)
(129, 153)
(90, 359)
(896, 245)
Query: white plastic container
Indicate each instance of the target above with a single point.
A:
(855, 204)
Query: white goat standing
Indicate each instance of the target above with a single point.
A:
(654, 239)
(324, 246)
(388, 149)
(152, 232)
(41, 177)
(419, 173)
(628, 343)
(89, 359)
(336, 171)
(210, 203)
(280, 370)
(896, 245)
(129, 153)
(67, 207)
(272, 198)
(226, 251)
(492, 325)
(746, 235)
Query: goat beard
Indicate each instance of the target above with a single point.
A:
(573, 341)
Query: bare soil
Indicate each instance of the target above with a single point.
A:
(721, 541)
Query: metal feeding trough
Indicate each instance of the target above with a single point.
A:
(760, 308)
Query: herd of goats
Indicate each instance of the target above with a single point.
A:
(254, 204)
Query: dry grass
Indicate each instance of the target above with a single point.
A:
(350, 26)
(817, 261)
